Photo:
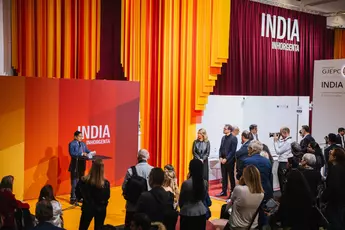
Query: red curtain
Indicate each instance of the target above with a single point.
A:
(110, 53)
(254, 68)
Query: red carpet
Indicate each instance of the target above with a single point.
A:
(216, 188)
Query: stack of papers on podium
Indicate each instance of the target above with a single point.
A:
(91, 154)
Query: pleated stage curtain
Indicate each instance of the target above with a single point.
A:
(175, 49)
(56, 38)
(339, 43)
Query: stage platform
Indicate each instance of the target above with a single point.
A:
(115, 211)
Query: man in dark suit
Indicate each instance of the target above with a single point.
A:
(227, 152)
(242, 153)
(332, 141)
(77, 148)
(307, 138)
(341, 138)
(253, 129)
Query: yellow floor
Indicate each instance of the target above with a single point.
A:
(115, 211)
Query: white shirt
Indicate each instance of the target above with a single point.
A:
(245, 205)
(283, 149)
(255, 137)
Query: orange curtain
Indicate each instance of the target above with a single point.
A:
(339, 44)
(56, 38)
(175, 49)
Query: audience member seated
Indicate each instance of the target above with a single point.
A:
(94, 189)
(193, 192)
(48, 194)
(10, 207)
(141, 221)
(157, 203)
(335, 190)
(315, 149)
(297, 151)
(266, 177)
(313, 176)
(135, 183)
(44, 215)
(246, 200)
(208, 202)
(332, 142)
(296, 204)
(170, 184)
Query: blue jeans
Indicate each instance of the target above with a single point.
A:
(74, 182)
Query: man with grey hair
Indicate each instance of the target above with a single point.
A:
(308, 160)
(312, 176)
(135, 176)
(235, 131)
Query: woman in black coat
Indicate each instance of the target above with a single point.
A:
(201, 150)
(94, 189)
(335, 190)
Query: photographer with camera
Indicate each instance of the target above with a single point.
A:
(282, 146)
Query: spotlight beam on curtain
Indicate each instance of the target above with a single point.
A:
(172, 48)
(56, 38)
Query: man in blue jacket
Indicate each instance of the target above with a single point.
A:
(242, 153)
(262, 164)
(77, 148)
(265, 168)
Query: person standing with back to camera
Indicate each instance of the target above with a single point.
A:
(77, 148)
(201, 150)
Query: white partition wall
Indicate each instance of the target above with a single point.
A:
(269, 113)
(328, 98)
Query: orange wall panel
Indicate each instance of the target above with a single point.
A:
(12, 116)
(41, 135)
(38, 117)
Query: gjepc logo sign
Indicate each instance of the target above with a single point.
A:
(95, 135)
(343, 71)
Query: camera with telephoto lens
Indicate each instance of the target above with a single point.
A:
(274, 134)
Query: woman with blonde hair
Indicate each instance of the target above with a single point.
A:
(94, 189)
(170, 184)
(246, 200)
(201, 150)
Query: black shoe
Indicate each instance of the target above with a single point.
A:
(221, 194)
(81, 200)
(73, 201)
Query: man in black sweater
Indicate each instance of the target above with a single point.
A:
(307, 138)
(227, 152)
(341, 138)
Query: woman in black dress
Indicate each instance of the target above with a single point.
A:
(201, 150)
